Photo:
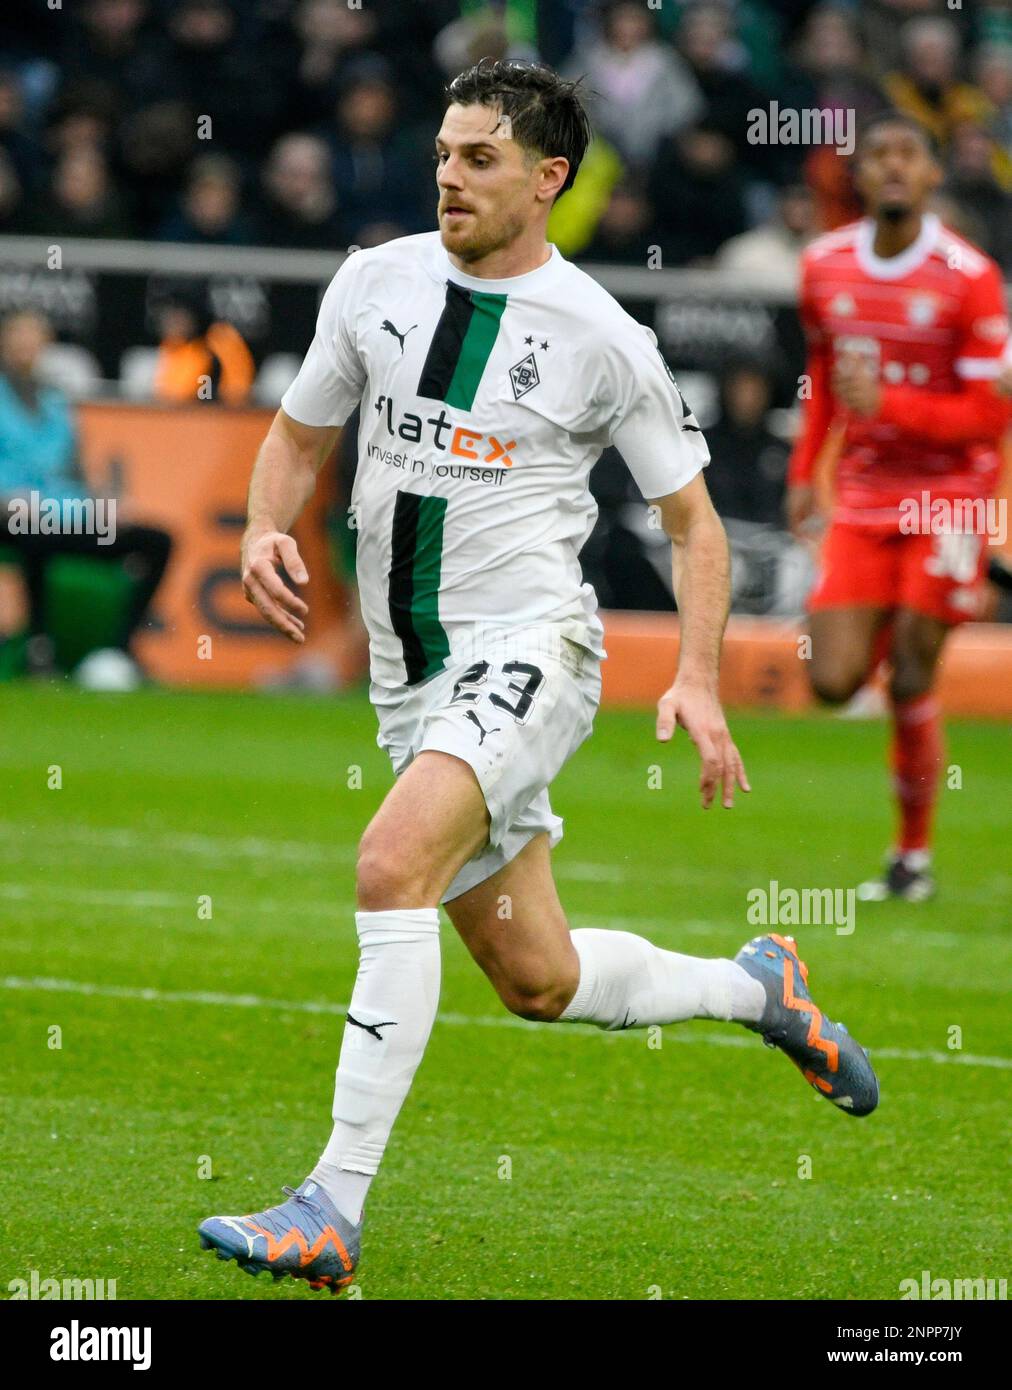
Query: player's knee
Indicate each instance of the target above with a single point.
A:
(910, 679)
(834, 685)
(385, 878)
(538, 996)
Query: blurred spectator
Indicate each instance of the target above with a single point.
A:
(155, 146)
(21, 152)
(772, 252)
(209, 212)
(927, 86)
(84, 117)
(993, 69)
(329, 34)
(108, 47)
(299, 207)
(706, 41)
(698, 193)
(882, 23)
(382, 172)
(82, 200)
(971, 180)
(624, 232)
(644, 91)
(748, 463)
(38, 453)
(13, 218)
(218, 76)
(488, 31)
(833, 55)
(200, 358)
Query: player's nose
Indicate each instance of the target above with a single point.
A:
(448, 173)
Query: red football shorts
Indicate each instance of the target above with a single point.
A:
(937, 575)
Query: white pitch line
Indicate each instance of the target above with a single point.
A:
(225, 847)
(237, 904)
(268, 851)
(304, 1006)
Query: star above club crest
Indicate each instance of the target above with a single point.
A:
(545, 345)
(528, 340)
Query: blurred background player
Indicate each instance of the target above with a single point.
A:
(38, 453)
(906, 326)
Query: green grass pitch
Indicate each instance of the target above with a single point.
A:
(634, 1171)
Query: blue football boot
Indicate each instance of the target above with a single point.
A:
(826, 1055)
(306, 1237)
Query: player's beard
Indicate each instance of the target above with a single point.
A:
(894, 212)
(484, 236)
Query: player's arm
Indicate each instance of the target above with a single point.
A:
(283, 481)
(701, 572)
(817, 411)
(976, 413)
(301, 438)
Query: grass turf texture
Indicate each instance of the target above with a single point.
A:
(635, 1170)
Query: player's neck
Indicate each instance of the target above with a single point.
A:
(893, 237)
(520, 256)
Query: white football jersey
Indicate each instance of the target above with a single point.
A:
(485, 404)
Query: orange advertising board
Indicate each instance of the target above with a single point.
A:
(187, 469)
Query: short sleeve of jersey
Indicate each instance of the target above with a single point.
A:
(650, 423)
(331, 379)
(984, 327)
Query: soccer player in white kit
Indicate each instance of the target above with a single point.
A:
(491, 373)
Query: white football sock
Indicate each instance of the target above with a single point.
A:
(627, 982)
(390, 1017)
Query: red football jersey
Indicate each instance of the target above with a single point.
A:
(933, 320)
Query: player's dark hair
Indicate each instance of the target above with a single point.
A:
(545, 111)
(883, 118)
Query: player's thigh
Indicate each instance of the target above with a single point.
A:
(917, 642)
(431, 822)
(843, 644)
(515, 928)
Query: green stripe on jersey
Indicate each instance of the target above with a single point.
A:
(475, 350)
(415, 572)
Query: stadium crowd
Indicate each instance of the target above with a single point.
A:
(309, 123)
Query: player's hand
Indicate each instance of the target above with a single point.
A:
(856, 383)
(1004, 381)
(263, 555)
(802, 516)
(695, 708)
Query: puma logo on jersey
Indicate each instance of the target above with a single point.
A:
(470, 714)
(387, 327)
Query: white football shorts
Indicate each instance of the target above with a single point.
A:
(514, 705)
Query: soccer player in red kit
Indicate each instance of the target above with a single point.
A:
(906, 328)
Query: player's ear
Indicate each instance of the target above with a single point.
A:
(551, 176)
